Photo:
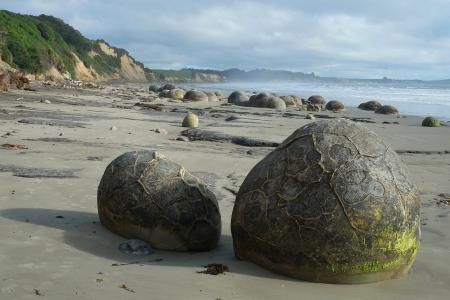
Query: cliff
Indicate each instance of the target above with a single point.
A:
(45, 47)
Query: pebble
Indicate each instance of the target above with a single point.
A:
(161, 131)
(46, 101)
(135, 247)
(310, 117)
(113, 128)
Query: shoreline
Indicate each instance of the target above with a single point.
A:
(52, 239)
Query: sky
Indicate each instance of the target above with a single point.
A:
(403, 39)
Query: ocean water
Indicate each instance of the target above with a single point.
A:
(420, 99)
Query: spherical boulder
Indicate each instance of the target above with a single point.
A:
(218, 94)
(335, 106)
(212, 97)
(387, 110)
(316, 99)
(238, 98)
(431, 122)
(292, 100)
(176, 93)
(276, 103)
(190, 121)
(370, 105)
(333, 203)
(144, 195)
(259, 100)
(153, 88)
(195, 95)
(167, 86)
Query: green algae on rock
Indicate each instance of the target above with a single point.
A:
(431, 122)
(191, 120)
(333, 203)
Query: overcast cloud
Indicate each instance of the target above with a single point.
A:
(370, 39)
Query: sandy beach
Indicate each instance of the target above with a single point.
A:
(53, 246)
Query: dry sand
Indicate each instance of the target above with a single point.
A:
(53, 247)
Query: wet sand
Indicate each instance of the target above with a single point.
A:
(54, 247)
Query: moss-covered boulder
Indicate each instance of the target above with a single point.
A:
(190, 120)
(431, 122)
(333, 203)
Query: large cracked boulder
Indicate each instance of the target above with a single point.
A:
(144, 195)
(333, 203)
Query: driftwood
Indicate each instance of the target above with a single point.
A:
(195, 134)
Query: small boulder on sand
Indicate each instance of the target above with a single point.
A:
(292, 100)
(431, 122)
(387, 110)
(196, 96)
(190, 121)
(335, 106)
(370, 105)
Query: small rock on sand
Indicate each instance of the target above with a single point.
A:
(183, 139)
(161, 131)
(135, 247)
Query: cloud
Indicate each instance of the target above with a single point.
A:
(401, 39)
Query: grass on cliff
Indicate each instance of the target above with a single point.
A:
(35, 44)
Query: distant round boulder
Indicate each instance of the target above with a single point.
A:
(212, 97)
(370, 105)
(167, 86)
(153, 88)
(190, 120)
(218, 94)
(292, 100)
(332, 203)
(276, 103)
(316, 99)
(195, 95)
(259, 100)
(177, 94)
(266, 100)
(431, 122)
(238, 98)
(335, 106)
(387, 110)
(144, 195)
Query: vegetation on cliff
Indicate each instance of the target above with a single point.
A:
(36, 44)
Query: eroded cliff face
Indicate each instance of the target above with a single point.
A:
(128, 70)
